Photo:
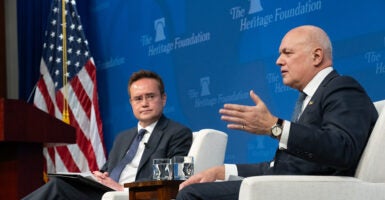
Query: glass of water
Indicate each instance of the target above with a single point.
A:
(162, 169)
(183, 167)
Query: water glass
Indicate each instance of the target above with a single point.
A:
(162, 169)
(183, 167)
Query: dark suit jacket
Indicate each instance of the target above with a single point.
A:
(330, 135)
(168, 139)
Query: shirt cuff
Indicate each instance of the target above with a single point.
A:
(285, 135)
(230, 169)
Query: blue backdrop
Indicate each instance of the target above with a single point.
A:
(214, 52)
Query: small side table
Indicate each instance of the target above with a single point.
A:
(156, 189)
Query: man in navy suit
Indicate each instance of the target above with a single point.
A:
(163, 138)
(326, 138)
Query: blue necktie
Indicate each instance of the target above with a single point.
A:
(298, 107)
(115, 173)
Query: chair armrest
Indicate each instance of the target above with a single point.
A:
(116, 195)
(310, 187)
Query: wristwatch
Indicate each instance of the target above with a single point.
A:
(276, 130)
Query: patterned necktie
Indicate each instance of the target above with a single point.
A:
(298, 107)
(115, 173)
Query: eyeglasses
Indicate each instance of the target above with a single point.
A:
(148, 97)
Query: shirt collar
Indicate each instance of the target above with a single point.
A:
(149, 128)
(313, 85)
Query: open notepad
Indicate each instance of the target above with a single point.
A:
(83, 178)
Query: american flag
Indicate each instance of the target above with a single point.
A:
(80, 91)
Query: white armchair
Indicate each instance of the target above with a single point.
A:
(367, 184)
(208, 149)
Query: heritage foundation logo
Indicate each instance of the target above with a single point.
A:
(251, 20)
(205, 84)
(160, 43)
(159, 25)
(255, 6)
(203, 97)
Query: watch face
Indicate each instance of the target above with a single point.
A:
(276, 130)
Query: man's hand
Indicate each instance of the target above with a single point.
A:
(254, 119)
(103, 178)
(209, 175)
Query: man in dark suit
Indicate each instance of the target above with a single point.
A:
(326, 136)
(162, 138)
(167, 140)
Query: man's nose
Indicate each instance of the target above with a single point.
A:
(279, 61)
(145, 101)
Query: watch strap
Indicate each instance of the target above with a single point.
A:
(279, 122)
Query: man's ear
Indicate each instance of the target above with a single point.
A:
(164, 99)
(318, 56)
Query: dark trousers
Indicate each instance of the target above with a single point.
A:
(63, 189)
(226, 190)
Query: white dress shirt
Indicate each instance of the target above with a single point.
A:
(129, 172)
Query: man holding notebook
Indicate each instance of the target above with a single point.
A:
(130, 158)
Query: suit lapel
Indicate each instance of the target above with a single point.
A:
(317, 95)
(130, 138)
(153, 141)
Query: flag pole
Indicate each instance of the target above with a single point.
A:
(65, 117)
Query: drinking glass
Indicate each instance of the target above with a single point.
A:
(162, 169)
(183, 167)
